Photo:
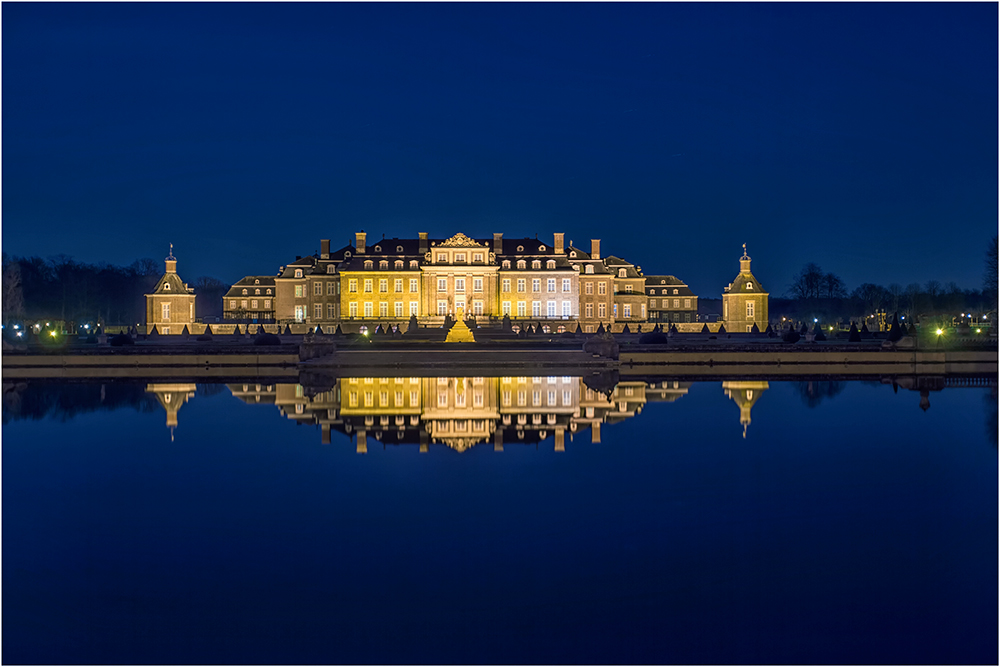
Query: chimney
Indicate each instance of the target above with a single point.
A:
(595, 248)
(498, 243)
(324, 249)
(359, 242)
(560, 236)
(423, 242)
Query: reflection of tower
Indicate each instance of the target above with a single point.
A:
(172, 397)
(744, 393)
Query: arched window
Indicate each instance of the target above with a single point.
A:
(256, 291)
(541, 248)
(413, 264)
(520, 248)
(572, 253)
(664, 291)
(536, 264)
(676, 292)
(166, 288)
(244, 292)
(268, 290)
(551, 264)
(398, 264)
(383, 265)
(521, 264)
(663, 282)
(369, 264)
(622, 273)
(749, 285)
(506, 264)
(330, 268)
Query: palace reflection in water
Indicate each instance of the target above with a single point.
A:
(461, 412)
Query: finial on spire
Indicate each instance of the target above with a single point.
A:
(171, 255)
(745, 257)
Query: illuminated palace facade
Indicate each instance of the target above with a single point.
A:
(461, 412)
(553, 285)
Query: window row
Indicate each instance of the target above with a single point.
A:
(253, 304)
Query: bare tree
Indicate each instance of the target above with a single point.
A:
(990, 274)
(895, 291)
(913, 298)
(833, 287)
(873, 297)
(13, 297)
(808, 283)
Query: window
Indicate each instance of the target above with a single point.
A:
(551, 285)
(505, 264)
(521, 306)
(383, 309)
(317, 311)
(505, 285)
(165, 286)
(627, 310)
(536, 284)
(521, 264)
(298, 291)
(232, 304)
(298, 273)
(243, 304)
(588, 310)
(567, 308)
(256, 291)
(536, 264)
(413, 285)
(602, 310)
(317, 289)
(268, 290)
(442, 307)
(383, 265)
(550, 309)
(677, 303)
(352, 285)
(602, 288)
(300, 313)
(588, 287)
(536, 308)
(368, 285)
(414, 308)
(352, 309)
(614, 310)
(749, 309)
(369, 264)
(331, 311)
(566, 285)
(413, 265)
(399, 309)
(505, 308)
(330, 268)
(477, 307)
(460, 284)
(253, 304)
(383, 285)
(687, 303)
(398, 265)
(397, 286)
(477, 257)
(460, 257)
(477, 285)
(166, 330)
(749, 285)
(589, 268)
(165, 312)
(520, 284)
(442, 258)
(628, 289)
(368, 308)
(622, 273)
(676, 292)
(442, 284)
(330, 288)
(551, 264)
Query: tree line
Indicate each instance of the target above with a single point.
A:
(60, 288)
(815, 293)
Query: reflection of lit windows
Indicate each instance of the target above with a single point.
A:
(383, 399)
(352, 399)
(628, 391)
(590, 411)
(536, 397)
(506, 397)
(413, 399)
(477, 399)
(299, 408)
(442, 399)
(460, 399)
(369, 399)
(567, 398)
(300, 313)
(622, 406)
(399, 399)
(522, 398)
(552, 398)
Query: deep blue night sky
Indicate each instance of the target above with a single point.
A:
(859, 136)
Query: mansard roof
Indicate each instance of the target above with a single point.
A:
(739, 285)
(171, 283)
(248, 283)
(652, 281)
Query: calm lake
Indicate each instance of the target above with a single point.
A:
(500, 520)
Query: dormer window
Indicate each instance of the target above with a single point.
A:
(521, 264)
(257, 281)
(399, 248)
(378, 248)
(347, 253)
(541, 248)
(369, 264)
(298, 273)
(460, 257)
(663, 282)
(551, 264)
(664, 291)
(442, 258)
(330, 268)
(398, 265)
(675, 292)
(413, 264)
(622, 273)
(244, 292)
(383, 265)
(477, 257)
(520, 248)
(268, 290)
(506, 264)
(572, 253)
(256, 291)
(166, 288)
(589, 269)
(749, 285)
(536, 264)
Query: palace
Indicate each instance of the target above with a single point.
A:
(554, 286)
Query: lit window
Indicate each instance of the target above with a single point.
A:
(298, 273)
(551, 284)
(477, 284)
(253, 304)
(536, 284)
(317, 289)
(627, 310)
(622, 273)
(383, 265)
(521, 264)
(368, 285)
(460, 257)
(256, 291)
(750, 305)
(352, 285)
(589, 268)
(477, 257)
(602, 288)
(369, 264)
(442, 284)
(506, 264)
(244, 291)
(398, 265)
(298, 291)
(628, 289)
(368, 308)
(505, 285)
(521, 284)
(536, 264)
(383, 285)
(442, 257)
(460, 284)
(749, 285)
(551, 264)
(166, 287)
(165, 312)
(588, 288)
(397, 286)
(413, 285)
